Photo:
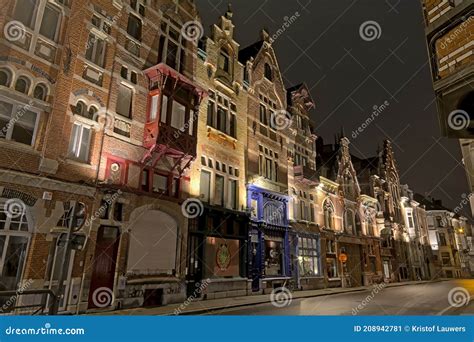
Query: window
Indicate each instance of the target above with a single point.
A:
(50, 22)
(308, 256)
(331, 267)
(263, 115)
(95, 51)
(178, 115)
(80, 108)
(205, 185)
(233, 202)
(268, 72)
(224, 61)
(330, 247)
(172, 47)
(219, 190)
(22, 85)
(134, 27)
(274, 257)
(442, 239)
(268, 164)
(221, 114)
(446, 259)
(349, 221)
(14, 241)
(146, 180)
(154, 106)
(40, 92)
(5, 77)
(160, 183)
(25, 12)
(80, 141)
(17, 122)
(411, 223)
(124, 101)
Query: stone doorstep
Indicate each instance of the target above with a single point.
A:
(235, 302)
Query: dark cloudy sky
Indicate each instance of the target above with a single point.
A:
(348, 76)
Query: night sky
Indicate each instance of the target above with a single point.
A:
(348, 76)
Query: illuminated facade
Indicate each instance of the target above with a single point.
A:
(449, 26)
(267, 167)
(217, 247)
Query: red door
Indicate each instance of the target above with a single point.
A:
(102, 282)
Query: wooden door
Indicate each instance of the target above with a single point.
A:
(103, 272)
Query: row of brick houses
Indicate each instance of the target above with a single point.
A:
(196, 166)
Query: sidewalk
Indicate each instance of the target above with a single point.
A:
(204, 306)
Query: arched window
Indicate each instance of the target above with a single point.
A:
(80, 108)
(22, 85)
(40, 92)
(92, 113)
(268, 72)
(349, 221)
(5, 77)
(14, 240)
(328, 214)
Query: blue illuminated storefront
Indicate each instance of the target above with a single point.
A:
(269, 247)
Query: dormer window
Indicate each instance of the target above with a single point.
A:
(268, 72)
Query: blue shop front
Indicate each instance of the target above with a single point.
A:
(269, 247)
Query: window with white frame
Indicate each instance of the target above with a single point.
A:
(39, 16)
(80, 142)
(18, 122)
(268, 163)
(308, 256)
(410, 219)
(95, 51)
(219, 183)
(222, 114)
(5, 77)
(14, 240)
(172, 46)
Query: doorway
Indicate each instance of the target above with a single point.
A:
(105, 259)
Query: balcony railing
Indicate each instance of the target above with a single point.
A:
(177, 140)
